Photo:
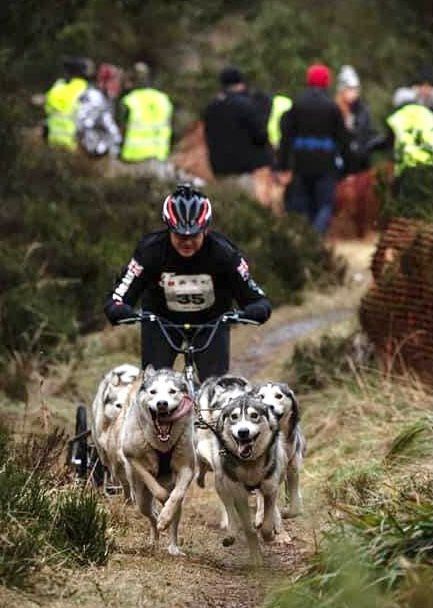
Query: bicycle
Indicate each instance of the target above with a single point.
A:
(82, 455)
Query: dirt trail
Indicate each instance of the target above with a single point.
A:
(210, 575)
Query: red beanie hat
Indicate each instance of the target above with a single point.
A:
(318, 75)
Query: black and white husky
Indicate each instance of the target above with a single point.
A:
(246, 453)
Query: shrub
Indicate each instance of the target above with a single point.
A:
(80, 528)
(411, 199)
(413, 442)
(314, 366)
(40, 522)
(354, 484)
(19, 550)
(24, 515)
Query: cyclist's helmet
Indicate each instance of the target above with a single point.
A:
(187, 211)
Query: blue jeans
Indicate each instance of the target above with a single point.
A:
(313, 196)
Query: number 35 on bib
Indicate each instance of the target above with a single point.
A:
(187, 292)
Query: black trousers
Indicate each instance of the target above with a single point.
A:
(214, 361)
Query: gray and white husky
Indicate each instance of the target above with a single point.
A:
(115, 393)
(157, 445)
(281, 401)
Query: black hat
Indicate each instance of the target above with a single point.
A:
(231, 75)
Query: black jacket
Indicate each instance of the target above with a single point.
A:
(236, 134)
(361, 135)
(312, 134)
(187, 290)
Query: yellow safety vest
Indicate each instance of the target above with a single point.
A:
(148, 131)
(412, 126)
(280, 104)
(61, 103)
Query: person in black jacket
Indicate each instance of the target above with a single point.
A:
(312, 134)
(187, 274)
(357, 119)
(235, 129)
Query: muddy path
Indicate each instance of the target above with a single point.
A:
(262, 351)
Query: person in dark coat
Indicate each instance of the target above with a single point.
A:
(235, 129)
(355, 192)
(312, 135)
(357, 119)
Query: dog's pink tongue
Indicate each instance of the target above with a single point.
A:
(183, 409)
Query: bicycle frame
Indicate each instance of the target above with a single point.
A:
(188, 332)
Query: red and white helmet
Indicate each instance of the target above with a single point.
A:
(187, 211)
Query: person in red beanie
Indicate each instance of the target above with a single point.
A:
(313, 134)
(318, 75)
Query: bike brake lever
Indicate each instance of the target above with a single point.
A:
(129, 320)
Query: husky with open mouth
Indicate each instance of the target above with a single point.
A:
(157, 444)
(281, 401)
(247, 453)
(214, 394)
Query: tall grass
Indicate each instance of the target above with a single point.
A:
(377, 545)
(41, 522)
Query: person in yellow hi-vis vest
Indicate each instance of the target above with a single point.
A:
(61, 104)
(147, 116)
(280, 104)
(411, 125)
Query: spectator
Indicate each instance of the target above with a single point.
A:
(98, 132)
(280, 105)
(146, 116)
(61, 103)
(410, 134)
(235, 129)
(272, 107)
(355, 191)
(313, 132)
(357, 120)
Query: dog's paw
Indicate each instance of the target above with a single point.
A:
(228, 541)
(290, 512)
(258, 523)
(267, 535)
(175, 551)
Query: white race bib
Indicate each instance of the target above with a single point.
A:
(187, 292)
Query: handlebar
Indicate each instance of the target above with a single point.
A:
(188, 331)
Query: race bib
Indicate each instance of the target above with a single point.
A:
(187, 292)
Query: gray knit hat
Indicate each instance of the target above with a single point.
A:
(347, 78)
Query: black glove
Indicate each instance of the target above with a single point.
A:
(116, 312)
(259, 311)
